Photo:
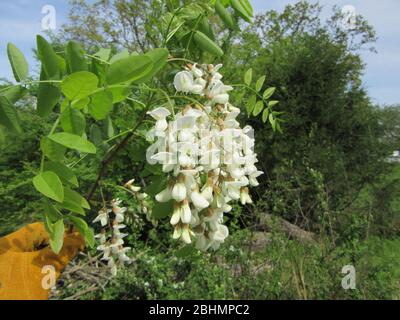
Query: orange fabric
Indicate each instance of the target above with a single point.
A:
(22, 261)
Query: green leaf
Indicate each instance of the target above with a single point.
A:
(14, 93)
(250, 104)
(47, 98)
(95, 134)
(48, 224)
(79, 85)
(248, 76)
(72, 141)
(265, 115)
(103, 54)
(121, 55)
(57, 237)
(64, 173)
(74, 202)
(73, 121)
(79, 224)
(89, 237)
(224, 15)
(247, 6)
(206, 44)
(62, 64)
(129, 69)
(48, 58)
(49, 184)
(80, 104)
(50, 211)
(18, 62)
(159, 57)
(76, 57)
(272, 103)
(268, 93)
(272, 121)
(101, 105)
(240, 9)
(9, 116)
(52, 150)
(258, 108)
(83, 229)
(119, 93)
(162, 210)
(108, 128)
(260, 83)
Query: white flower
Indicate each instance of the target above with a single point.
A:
(199, 201)
(183, 81)
(102, 217)
(179, 192)
(186, 214)
(197, 72)
(111, 241)
(253, 178)
(159, 113)
(164, 196)
(176, 216)
(245, 197)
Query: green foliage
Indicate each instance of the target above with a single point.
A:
(283, 269)
(79, 85)
(56, 232)
(48, 58)
(76, 60)
(47, 97)
(8, 115)
(18, 63)
(129, 69)
(49, 184)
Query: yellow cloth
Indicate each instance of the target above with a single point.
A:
(24, 253)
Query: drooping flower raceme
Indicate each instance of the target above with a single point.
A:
(111, 236)
(208, 157)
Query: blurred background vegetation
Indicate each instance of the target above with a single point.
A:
(329, 174)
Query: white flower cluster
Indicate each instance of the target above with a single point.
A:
(111, 237)
(142, 207)
(208, 157)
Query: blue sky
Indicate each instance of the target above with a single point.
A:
(20, 21)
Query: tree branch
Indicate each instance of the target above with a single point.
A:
(110, 157)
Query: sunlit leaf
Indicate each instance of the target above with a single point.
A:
(76, 57)
(260, 83)
(73, 141)
(64, 173)
(79, 85)
(248, 76)
(52, 150)
(258, 108)
(268, 93)
(48, 58)
(49, 184)
(18, 62)
(73, 121)
(57, 236)
(101, 104)
(129, 69)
